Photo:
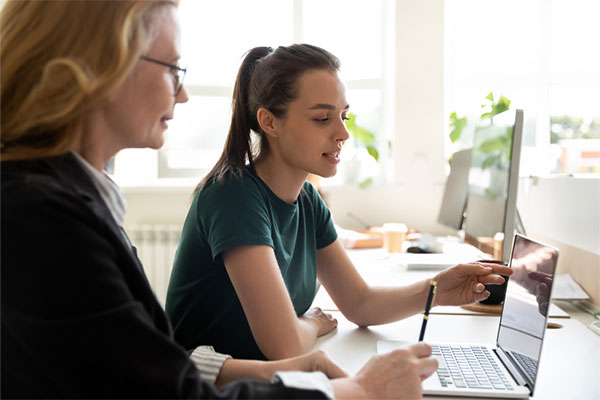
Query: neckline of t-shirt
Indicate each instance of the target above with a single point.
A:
(292, 206)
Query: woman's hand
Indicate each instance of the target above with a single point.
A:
(234, 369)
(314, 361)
(397, 374)
(324, 321)
(464, 283)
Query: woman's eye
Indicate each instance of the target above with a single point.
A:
(322, 120)
(344, 118)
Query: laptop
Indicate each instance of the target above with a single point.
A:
(508, 370)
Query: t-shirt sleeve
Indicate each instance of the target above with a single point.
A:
(325, 230)
(233, 213)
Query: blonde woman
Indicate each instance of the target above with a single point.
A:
(82, 80)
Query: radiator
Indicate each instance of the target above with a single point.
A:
(156, 245)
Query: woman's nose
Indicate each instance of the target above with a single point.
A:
(182, 96)
(342, 132)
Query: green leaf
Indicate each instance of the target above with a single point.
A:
(492, 145)
(373, 152)
(363, 135)
(457, 125)
(491, 161)
(351, 121)
(359, 133)
(499, 107)
(502, 105)
(366, 183)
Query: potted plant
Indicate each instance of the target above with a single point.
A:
(493, 144)
(457, 124)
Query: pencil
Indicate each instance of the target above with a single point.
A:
(430, 297)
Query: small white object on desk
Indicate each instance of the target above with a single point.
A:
(565, 288)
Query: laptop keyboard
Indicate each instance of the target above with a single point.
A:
(528, 364)
(469, 367)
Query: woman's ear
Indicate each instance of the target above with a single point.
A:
(267, 122)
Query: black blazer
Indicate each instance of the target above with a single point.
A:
(78, 316)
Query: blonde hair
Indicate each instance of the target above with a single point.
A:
(59, 60)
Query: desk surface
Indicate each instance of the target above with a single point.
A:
(569, 364)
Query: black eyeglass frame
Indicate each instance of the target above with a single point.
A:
(173, 67)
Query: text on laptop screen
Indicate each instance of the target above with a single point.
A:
(527, 301)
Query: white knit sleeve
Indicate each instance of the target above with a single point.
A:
(208, 362)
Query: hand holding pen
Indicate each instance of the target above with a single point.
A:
(430, 298)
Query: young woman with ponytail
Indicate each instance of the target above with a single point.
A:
(257, 235)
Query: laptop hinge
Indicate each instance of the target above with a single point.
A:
(514, 372)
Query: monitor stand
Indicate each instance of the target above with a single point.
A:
(519, 227)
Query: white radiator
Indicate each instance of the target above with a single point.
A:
(156, 245)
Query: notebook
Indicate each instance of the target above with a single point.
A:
(509, 369)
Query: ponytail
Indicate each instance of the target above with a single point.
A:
(238, 146)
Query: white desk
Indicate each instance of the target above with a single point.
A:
(569, 364)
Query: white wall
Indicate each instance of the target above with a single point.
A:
(563, 208)
(419, 139)
(149, 205)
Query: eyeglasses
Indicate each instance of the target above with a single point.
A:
(175, 70)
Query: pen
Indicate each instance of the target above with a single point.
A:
(430, 297)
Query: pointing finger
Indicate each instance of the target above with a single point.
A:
(499, 269)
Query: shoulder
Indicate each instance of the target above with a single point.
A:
(309, 189)
(231, 201)
(231, 189)
(38, 182)
(58, 224)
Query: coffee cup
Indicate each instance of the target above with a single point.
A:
(394, 235)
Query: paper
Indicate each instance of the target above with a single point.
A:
(565, 288)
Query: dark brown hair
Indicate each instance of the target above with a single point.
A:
(267, 78)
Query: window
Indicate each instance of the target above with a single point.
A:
(217, 34)
(542, 55)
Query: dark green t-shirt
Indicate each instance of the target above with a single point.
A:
(201, 300)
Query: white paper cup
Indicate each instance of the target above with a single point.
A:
(394, 235)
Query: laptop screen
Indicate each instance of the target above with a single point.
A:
(526, 305)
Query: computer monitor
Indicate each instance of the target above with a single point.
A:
(454, 201)
(493, 181)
